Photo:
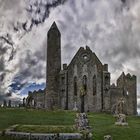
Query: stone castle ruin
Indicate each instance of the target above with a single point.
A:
(83, 84)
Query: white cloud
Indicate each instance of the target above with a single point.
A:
(110, 27)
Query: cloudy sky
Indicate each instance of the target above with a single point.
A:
(110, 27)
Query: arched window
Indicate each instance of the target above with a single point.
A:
(63, 80)
(85, 83)
(75, 86)
(94, 85)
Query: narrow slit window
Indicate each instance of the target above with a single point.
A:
(94, 85)
(63, 80)
(75, 86)
(85, 83)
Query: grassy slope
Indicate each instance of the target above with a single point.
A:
(102, 124)
(10, 117)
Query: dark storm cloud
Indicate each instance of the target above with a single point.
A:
(6, 39)
(16, 59)
(2, 49)
(2, 76)
(39, 10)
(2, 67)
(31, 69)
(110, 28)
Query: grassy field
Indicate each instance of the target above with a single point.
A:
(102, 124)
(46, 128)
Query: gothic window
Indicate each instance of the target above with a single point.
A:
(106, 79)
(85, 57)
(63, 80)
(85, 83)
(124, 91)
(94, 85)
(75, 86)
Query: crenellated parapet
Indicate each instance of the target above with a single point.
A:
(126, 88)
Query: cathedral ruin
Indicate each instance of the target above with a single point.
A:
(83, 84)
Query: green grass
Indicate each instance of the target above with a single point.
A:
(46, 129)
(102, 124)
(10, 117)
(9, 138)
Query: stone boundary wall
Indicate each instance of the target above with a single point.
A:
(44, 136)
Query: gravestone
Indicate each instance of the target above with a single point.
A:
(82, 125)
(121, 119)
(81, 121)
(9, 103)
(75, 107)
(120, 116)
(120, 106)
(107, 137)
(24, 102)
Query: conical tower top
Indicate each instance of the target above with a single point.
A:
(54, 27)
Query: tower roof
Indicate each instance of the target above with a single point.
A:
(54, 26)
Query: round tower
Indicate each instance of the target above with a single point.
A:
(53, 66)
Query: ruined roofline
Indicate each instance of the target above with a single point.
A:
(36, 91)
(128, 76)
(114, 86)
(81, 48)
(86, 48)
(97, 59)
